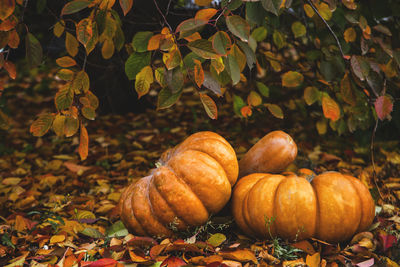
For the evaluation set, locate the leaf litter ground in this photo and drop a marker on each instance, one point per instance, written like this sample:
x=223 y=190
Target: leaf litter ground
x=58 y=211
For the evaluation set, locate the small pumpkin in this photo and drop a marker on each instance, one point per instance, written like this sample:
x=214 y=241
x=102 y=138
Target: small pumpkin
x=271 y=154
x=193 y=180
x=333 y=207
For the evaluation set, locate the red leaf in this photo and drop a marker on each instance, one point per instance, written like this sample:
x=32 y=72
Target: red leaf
x=387 y=241
x=383 y=107
x=173 y=262
x=103 y=262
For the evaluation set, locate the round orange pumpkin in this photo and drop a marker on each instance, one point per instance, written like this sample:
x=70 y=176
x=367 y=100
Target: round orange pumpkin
x=271 y=154
x=333 y=207
x=192 y=181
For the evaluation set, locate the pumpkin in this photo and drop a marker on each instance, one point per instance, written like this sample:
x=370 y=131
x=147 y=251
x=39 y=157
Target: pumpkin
x=333 y=207
x=192 y=181
x=271 y=154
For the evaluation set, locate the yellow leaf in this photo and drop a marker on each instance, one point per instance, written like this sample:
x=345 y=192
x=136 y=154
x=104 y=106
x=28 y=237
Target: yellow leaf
x=20 y=224
x=13 y=39
x=107 y=4
x=143 y=81
x=292 y=79
x=325 y=11
x=108 y=49
x=57 y=239
x=198 y=73
x=254 y=99
x=309 y=10
x=65 y=62
x=206 y=13
x=313 y=260
x=239 y=55
x=350 y=4
x=193 y=37
x=298 y=29
x=350 y=35
x=59 y=28
x=59 y=124
x=71 y=44
x=203 y=2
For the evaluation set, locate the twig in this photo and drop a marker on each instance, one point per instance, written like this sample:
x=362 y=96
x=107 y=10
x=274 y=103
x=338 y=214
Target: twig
x=373 y=157
x=222 y=12
x=162 y=14
x=327 y=25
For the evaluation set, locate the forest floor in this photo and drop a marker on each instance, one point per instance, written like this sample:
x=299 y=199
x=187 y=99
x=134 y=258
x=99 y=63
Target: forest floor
x=58 y=210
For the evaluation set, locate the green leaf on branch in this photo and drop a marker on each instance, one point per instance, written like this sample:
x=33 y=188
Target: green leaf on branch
x=141 y=40
x=292 y=79
x=279 y=39
x=211 y=84
x=232 y=67
x=238 y=104
x=203 y=48
x=275 y=110
x=263 y=89
x=74 y=6
x=126 y=5
x=221 y=42
x=135 y=63
x=190 y=26
x=34 y=52
x=298 y=29
x=175 y=79
x=250 y=55
x=64 y=98
x=259 y=34
x=71 y=126
x=88 y=113
x=239 y=27
x=311 y=95
x=166 y=98
x=272 y=6
x=209 y=106
x=42 y=124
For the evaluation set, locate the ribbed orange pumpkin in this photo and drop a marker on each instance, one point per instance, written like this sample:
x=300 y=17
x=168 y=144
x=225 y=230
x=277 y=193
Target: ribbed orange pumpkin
x=194 y=180
x=271 y=154
x=333 y=207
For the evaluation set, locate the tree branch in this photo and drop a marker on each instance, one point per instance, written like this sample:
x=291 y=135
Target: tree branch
x=327 y=25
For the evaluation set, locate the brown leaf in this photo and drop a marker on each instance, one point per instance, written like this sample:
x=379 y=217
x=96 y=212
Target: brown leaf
x=242 y=255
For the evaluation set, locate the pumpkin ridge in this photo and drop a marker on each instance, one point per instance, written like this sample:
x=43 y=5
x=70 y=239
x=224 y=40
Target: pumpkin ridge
x=232 y=177
x=129 y=214
x=189 y=188
x=359 y=199
x=317 y=219
x=175 y=214
x=274 y=210
x=149 y=225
